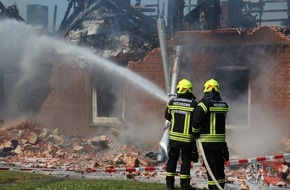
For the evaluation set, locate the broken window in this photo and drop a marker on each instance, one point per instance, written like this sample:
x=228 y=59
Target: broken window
x=234 y=83
x=106 y=96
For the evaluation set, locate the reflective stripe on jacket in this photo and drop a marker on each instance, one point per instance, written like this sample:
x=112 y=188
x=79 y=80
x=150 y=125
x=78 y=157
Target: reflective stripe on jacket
x=179 y=112
x=209 y=120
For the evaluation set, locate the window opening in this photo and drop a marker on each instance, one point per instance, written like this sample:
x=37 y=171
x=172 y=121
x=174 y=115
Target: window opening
x=234 y=82
x=106 y=97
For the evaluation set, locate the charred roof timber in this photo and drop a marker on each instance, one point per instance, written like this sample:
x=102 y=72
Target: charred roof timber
x=108 y=9
x=192 y=15
x=10 y=12
x=122 y=29
x=112 y=25
x=215 y=14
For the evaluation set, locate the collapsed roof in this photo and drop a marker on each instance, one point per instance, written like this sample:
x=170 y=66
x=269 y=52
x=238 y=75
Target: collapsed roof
x=110 y=28
x=10 y=12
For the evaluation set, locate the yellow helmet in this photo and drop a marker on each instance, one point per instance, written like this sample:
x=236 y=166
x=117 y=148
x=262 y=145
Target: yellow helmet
x=183 y=87
x=211 y=85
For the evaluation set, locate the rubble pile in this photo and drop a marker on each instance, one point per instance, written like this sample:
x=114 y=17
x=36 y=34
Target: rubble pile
x=249 y=175
x=24 y=141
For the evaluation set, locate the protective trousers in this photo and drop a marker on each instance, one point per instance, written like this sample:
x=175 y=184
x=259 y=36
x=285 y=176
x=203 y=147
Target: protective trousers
x=173 y=156
x=216 y=162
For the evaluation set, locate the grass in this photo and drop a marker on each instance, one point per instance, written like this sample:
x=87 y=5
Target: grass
x=14 y=180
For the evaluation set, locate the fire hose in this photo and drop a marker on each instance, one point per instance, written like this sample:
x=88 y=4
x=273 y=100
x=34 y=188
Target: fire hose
x=206 y=164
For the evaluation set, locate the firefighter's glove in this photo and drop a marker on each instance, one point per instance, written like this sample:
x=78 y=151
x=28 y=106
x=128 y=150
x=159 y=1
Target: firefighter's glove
x=226 y=153
x=194 y=155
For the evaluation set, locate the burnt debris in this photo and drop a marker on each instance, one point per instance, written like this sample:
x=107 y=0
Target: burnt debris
x=10 y=12
x=109 y=27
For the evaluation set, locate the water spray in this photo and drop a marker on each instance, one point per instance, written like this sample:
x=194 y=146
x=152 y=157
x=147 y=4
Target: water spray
x=133 y=78
x=20 y=46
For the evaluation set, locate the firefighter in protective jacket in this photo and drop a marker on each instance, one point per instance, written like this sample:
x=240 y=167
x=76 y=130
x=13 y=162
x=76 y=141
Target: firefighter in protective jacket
x=181 y=140
x=208 y=123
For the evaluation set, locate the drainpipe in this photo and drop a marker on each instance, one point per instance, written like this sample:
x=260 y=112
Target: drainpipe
x=54 y=19
x=288 y=13
x=164 y=52
x=163 y=144
x=175 y=70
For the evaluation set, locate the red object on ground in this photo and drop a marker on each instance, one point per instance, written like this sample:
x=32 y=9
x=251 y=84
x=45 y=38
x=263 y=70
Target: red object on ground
x=272 y=171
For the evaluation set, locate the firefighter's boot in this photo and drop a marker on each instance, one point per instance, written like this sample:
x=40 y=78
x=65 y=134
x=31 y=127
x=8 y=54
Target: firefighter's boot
x=170 y=182
x=185 y=184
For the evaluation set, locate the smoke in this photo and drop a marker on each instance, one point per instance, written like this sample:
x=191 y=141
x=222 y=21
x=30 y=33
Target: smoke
x=261 y=138
x=32 y=51
x=262 y=131
x=21 y=53
x=253 y=129
x=30 y=54
x=144 y=133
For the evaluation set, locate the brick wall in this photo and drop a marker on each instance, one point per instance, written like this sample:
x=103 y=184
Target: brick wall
x=264 y=52
x=144 y=110
x=268 y=66
x=68 y=106
x=271 y=89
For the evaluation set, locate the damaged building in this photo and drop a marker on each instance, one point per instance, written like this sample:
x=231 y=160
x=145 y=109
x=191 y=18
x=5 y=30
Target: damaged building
x=117 y=85
x=113 y=29
x=235 y=49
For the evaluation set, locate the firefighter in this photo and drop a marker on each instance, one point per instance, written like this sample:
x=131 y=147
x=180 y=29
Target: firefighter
x=208 y=124
x=181 y=140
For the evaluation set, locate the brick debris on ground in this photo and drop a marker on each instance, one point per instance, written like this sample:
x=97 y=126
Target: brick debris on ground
x=25 y=145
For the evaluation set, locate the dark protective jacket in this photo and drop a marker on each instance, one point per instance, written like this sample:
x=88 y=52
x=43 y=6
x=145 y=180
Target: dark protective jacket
x=209 y=117
x=179 y=112
x=208 y=122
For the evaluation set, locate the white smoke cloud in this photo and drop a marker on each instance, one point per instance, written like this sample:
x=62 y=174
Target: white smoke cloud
x=27 y=47
x=32 y=52
x=259 y=132
x=263 y=136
